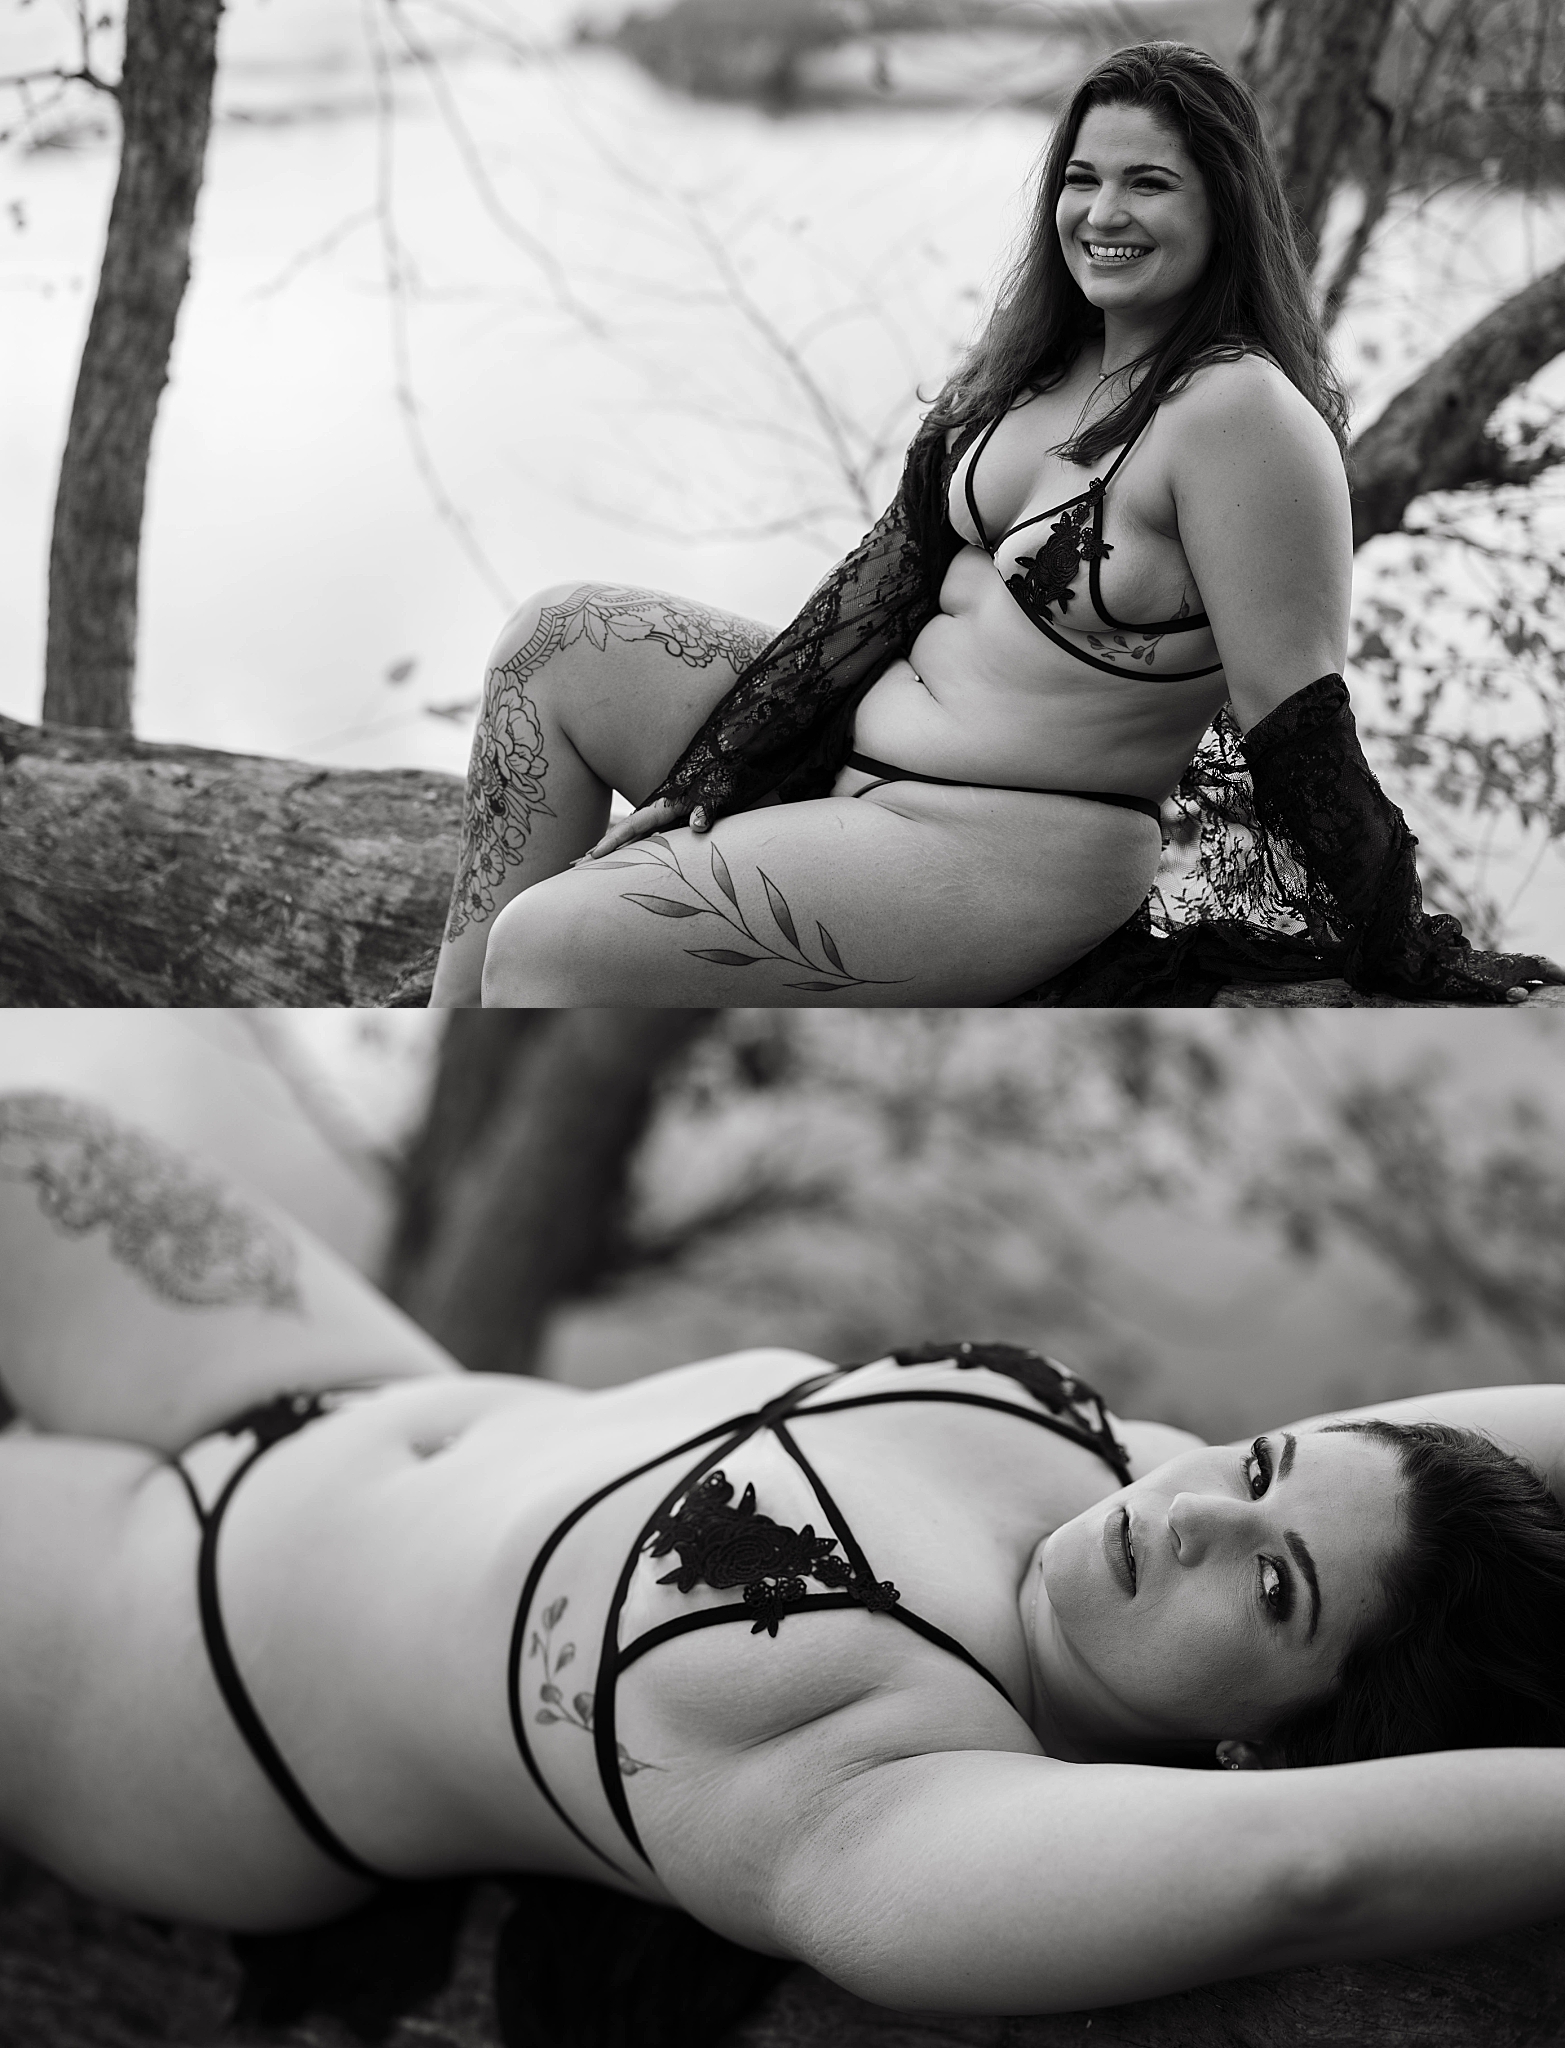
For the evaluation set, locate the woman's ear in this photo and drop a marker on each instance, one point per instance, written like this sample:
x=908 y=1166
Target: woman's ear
x=1240 y=1756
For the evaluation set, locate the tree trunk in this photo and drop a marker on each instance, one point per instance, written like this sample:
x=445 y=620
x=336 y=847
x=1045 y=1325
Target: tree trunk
x=1431 y=437
x=165 y=97
x=170 y=876
x=1311 y=64
x=516 y=1186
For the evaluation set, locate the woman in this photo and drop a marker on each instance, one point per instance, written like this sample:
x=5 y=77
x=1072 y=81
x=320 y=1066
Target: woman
x=970 y=741
x=883 y=1669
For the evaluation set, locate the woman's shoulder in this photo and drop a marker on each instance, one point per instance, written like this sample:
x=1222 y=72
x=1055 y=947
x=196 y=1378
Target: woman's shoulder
x=1249 y=394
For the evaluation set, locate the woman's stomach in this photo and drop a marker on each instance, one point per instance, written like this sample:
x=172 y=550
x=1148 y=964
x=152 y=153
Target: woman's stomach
x=983 y=696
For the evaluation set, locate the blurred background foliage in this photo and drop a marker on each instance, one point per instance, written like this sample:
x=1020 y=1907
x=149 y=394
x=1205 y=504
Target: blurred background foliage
x=1226 y=1218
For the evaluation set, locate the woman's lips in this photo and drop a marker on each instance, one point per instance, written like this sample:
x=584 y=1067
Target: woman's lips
x=1116 y=1550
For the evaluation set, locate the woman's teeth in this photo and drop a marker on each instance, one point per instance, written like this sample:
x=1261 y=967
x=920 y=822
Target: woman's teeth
x=1113 y=252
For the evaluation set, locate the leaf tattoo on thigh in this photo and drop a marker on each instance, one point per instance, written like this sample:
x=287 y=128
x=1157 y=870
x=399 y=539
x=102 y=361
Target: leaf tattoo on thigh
x=185 y=1237
x=831 y=971
x=508 y=769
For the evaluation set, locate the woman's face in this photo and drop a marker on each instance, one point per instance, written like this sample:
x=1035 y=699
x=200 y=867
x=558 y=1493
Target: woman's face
x=1215 y=1596
x=1133 y=217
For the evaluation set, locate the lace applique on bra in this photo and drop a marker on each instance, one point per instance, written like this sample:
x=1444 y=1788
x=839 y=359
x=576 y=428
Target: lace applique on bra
x=721 y=1545
x=1048 y=578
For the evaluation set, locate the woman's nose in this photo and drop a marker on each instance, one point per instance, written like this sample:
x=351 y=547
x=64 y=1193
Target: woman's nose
x=1107 y=208
x=1199 y=1521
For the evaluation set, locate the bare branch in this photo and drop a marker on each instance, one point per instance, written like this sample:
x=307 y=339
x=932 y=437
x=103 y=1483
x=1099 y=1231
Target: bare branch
x=394 y=267
x=483 y=185
x=815 y=395
x=1433 y=436
x=20 y=80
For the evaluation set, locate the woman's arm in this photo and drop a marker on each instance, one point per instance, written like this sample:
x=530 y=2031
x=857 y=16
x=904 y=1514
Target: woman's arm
x=1266 y=526
x=1527 y=1420
x=985 y=1882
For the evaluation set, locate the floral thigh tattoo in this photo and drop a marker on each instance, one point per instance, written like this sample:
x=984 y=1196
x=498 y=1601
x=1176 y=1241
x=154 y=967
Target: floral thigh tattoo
x=187 y=1238
x=508 y=771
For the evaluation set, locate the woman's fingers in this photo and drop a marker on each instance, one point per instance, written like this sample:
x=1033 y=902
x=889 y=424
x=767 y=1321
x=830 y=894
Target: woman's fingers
x=650 y=818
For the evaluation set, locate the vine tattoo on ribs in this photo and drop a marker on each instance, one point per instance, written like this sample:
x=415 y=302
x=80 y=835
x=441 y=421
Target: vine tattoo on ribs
x=184 y=1236
x=579 y=1714
x=508 y=769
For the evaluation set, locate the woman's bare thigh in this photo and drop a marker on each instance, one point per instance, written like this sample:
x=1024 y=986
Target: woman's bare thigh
x=144 y=1298
x=908 y=895
x=120 y=1768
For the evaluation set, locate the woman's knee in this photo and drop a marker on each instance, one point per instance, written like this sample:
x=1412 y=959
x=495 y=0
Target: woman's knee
x=534 y=616
x=540 y=952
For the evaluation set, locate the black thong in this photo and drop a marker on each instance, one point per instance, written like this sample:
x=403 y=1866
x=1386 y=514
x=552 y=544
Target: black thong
x=886 y=771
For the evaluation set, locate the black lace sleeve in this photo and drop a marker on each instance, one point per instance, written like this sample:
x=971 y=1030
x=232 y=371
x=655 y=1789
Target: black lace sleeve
x=785 y=727
x=1361 y=897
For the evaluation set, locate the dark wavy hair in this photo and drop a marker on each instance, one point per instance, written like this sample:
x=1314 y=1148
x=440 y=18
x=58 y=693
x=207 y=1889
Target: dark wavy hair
x=1466 y=1654
x=1254 y=294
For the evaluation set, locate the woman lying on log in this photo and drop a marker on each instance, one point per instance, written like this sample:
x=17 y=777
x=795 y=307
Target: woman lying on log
x=942 y=782
x=907 y=1670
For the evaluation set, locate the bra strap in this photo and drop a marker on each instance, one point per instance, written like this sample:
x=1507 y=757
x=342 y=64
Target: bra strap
x=972 y=503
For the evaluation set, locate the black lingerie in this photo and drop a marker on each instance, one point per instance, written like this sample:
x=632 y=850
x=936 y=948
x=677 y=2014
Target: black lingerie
x=717 y=1541
x=269 y=1423
x=710 y=1538
x=1044 y=582
x=887 y=771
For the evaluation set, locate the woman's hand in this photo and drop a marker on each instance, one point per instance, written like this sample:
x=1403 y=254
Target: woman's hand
x=650 y=818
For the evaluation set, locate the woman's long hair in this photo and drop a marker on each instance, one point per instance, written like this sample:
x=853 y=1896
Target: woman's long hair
x=1253 y=295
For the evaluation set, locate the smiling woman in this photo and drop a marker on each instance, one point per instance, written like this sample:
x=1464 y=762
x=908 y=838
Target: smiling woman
x=941 y=783
x=882 y=1667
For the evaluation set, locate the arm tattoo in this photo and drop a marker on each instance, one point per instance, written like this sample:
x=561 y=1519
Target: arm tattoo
x=508 y=770
x=580 y=1710
x=184 y=1236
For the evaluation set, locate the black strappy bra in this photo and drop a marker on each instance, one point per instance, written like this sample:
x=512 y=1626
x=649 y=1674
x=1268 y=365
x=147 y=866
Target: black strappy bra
x=720 y=1544
x=726 y=1545
x=1048 y=577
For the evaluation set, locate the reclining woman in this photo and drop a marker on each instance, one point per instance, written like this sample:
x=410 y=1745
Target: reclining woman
x=889 y=1668
x=970 y=742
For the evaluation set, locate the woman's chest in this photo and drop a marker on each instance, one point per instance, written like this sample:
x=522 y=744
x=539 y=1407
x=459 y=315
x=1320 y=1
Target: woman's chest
x=1095 y=555
x=792 y=1570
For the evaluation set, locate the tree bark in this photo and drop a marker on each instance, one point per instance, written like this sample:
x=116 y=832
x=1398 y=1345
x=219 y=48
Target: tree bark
x=169 y=876
x=78 y=1975
x=1311 y=64
x=165 y=98
x=1432 y=436
x=517 y=1185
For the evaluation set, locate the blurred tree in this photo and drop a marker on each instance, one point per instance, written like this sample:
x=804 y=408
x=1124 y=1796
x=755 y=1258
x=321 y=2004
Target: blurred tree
x=514 y=1190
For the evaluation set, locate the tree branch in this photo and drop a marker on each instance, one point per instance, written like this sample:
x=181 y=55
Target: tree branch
x=1434 y=436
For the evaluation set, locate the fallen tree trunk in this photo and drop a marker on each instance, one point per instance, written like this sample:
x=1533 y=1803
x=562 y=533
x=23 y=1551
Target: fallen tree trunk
x=174 y=876
x=78 y=1975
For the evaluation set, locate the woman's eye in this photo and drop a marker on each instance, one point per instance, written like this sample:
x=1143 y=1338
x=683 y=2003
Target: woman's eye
x=1276 y=1592
x=1258 y=1468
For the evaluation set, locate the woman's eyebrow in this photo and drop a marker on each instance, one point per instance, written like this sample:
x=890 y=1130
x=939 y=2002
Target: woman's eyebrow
x=1306 y=1564
x=1290 y=1444
x=1082 y=163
